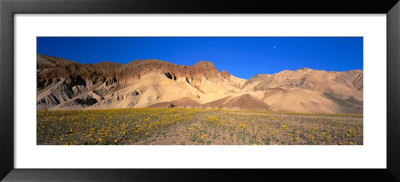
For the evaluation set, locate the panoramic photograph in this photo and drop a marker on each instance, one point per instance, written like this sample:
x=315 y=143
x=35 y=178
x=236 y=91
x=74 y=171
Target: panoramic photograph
x=199 y=91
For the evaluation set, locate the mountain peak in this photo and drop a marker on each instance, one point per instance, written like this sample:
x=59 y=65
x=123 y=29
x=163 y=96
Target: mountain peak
x=304 y=68
x=205 y=65
x=51 y=60
x=138 y=61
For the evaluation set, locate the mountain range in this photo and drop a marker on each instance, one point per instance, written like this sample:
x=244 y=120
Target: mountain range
x=67 y=85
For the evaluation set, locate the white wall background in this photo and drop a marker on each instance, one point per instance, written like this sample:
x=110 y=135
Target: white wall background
x=371 y=155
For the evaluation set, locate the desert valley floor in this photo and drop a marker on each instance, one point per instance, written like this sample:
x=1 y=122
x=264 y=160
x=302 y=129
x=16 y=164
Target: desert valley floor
x=182 y=126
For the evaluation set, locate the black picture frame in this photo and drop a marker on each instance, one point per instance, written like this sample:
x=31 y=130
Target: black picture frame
x=9 y=8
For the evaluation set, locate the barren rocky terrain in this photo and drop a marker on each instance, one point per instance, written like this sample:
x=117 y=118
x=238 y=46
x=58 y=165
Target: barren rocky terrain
x=68 y=85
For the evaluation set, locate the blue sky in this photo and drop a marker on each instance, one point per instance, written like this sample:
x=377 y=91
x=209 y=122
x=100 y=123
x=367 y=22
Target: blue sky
x=241 y=56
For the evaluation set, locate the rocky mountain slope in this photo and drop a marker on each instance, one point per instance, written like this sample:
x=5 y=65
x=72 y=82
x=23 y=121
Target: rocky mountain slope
x=64 y=84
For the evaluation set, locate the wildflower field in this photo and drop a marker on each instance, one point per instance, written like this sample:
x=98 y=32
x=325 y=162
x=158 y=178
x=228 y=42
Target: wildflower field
x=180 y=126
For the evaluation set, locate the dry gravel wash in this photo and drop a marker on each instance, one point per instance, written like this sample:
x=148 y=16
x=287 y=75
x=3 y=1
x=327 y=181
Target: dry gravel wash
x=179 y=126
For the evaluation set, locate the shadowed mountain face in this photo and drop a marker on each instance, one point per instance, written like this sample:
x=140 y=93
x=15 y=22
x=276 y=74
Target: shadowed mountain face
x=64 y=84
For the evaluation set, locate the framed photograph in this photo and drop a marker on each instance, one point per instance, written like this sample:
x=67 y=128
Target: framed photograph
x=131 y=90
